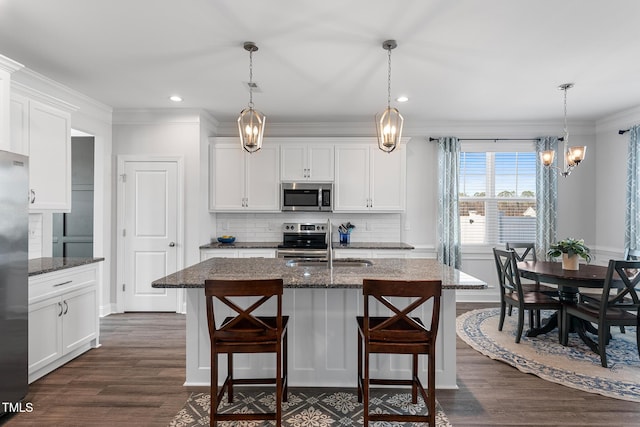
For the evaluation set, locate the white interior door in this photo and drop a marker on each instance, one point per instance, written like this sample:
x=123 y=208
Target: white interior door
x=150 y=233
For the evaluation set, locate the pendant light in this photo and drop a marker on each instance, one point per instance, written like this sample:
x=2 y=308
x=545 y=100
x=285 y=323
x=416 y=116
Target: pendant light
x=572 y=155
x=389 y=122
x=251 y=122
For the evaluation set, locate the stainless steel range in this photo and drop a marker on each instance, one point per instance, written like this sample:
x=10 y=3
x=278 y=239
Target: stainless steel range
x=304 y=240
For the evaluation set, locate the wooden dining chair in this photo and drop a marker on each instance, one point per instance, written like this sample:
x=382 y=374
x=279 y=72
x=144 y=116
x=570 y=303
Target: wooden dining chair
x=526 y=251
x=246 y=332
x=399 y=333
x=629 y=255
x=512 y=293
x=621 y=308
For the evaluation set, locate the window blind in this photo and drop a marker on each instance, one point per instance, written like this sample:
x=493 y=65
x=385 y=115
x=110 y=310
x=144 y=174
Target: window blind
x=497 y=197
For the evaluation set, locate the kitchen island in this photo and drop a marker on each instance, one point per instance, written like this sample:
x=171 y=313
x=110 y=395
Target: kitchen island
x=322 y=304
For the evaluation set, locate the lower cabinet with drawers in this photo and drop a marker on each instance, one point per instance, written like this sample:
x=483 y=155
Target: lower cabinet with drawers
x=63 y=317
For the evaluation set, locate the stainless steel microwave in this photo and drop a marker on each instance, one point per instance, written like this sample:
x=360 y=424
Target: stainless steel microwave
x=306 y=196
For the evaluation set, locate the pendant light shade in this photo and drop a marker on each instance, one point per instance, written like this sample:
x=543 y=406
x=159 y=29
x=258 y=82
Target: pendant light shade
x=251 y=122
x=389 y=122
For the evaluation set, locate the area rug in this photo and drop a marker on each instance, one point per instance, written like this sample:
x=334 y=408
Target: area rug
x=574 y=366
x=306 y=407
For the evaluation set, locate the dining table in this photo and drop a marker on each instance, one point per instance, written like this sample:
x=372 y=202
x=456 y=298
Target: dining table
x=569 y=283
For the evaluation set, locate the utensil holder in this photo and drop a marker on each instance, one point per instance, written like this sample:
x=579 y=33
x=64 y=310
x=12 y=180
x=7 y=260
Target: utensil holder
x=344 y=238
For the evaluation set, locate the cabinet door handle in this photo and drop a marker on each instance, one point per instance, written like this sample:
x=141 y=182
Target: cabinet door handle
x=172 y=244
x=60 y=305
x=32 y=199
x=63 y=283
x=66 y=307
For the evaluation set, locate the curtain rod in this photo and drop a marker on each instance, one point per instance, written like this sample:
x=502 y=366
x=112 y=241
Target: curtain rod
x=496 y=139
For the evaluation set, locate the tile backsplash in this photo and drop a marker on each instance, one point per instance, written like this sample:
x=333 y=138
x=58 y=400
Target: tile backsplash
x=267 y=227
x=35 y=235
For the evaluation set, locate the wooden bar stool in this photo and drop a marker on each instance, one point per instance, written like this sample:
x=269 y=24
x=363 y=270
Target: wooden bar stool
x=245 y=332
x=399 y=333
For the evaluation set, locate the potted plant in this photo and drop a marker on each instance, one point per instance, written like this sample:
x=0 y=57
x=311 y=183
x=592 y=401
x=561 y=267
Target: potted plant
x=570 y=249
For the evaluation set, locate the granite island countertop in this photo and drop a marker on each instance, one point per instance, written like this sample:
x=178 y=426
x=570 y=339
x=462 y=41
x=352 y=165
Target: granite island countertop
x=51 y=264
x=318 y=277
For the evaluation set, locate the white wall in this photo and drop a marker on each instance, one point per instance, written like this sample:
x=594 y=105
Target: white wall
x=166 y=133
x=610 y=185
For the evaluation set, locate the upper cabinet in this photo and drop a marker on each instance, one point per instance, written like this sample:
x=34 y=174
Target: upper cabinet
x=306 y=161
x=243 y=182
x=368 y=179
x=41 y=129
x=7 y=67
x=365 y=178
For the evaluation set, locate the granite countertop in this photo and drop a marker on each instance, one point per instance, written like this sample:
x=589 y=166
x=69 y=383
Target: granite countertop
x=51 y=264
x=334 y=245
x=318 y=277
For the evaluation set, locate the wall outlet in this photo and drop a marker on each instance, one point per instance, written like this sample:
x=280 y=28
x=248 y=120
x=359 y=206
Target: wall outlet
x=368 y=226
x=407 y=226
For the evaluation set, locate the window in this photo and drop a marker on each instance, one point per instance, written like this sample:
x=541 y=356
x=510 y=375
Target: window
x=497 y=193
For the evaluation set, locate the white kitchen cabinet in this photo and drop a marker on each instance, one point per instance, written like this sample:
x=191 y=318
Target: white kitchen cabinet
x=42 y=131
x=368 y=179
x=306 y=162
x=237 y=253
x=63 y=317
x=241 y=181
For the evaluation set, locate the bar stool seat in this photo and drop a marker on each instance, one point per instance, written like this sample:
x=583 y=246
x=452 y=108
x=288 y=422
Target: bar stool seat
x=399 y=333
x=245 y=332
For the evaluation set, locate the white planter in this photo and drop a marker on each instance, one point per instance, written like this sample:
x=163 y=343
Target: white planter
x=570 y=262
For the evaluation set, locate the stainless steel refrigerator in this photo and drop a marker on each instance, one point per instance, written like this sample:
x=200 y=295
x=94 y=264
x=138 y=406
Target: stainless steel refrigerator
x=14 y=291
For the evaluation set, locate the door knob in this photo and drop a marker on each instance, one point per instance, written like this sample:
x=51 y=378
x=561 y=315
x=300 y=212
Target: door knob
x=172 y=244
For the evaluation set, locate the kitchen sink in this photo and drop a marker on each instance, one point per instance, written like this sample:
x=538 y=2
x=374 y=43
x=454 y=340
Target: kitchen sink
x=323 y=263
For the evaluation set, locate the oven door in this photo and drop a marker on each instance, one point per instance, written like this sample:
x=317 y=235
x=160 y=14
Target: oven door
x=297 y=253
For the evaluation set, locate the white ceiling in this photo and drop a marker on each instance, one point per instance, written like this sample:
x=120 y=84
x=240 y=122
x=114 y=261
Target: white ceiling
x=323 y=60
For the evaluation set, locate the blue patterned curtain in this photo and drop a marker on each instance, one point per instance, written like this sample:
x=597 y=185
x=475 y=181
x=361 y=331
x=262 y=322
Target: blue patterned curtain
x=448 y=215
x=632 y=217
x=546 y=197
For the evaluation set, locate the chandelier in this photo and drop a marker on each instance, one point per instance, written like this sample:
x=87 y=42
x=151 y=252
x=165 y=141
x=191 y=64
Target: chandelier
x=251 y=122
x=572 y=155
x=389 y=122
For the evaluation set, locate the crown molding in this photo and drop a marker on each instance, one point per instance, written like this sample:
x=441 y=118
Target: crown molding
x=37 y=95
x=621 y=119
x=142 y=116
x=9 y=65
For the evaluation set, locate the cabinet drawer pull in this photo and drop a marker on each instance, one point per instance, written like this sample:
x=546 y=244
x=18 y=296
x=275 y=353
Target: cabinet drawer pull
x=66 y=308
x=60 y=305
x=63 y=283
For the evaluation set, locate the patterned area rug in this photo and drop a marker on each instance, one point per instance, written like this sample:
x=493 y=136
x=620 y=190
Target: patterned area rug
x=307 y=407
x=573 y=366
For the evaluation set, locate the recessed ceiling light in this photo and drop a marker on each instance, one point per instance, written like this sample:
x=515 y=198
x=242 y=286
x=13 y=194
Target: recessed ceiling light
x=175 y=98
x=402 y=99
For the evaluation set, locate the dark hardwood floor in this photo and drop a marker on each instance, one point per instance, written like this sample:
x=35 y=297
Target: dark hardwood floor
x=136 y=377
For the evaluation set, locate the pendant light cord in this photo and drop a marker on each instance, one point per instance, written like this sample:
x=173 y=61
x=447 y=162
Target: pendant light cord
x=251 y=79
x=566 y=132
x=389 y=81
